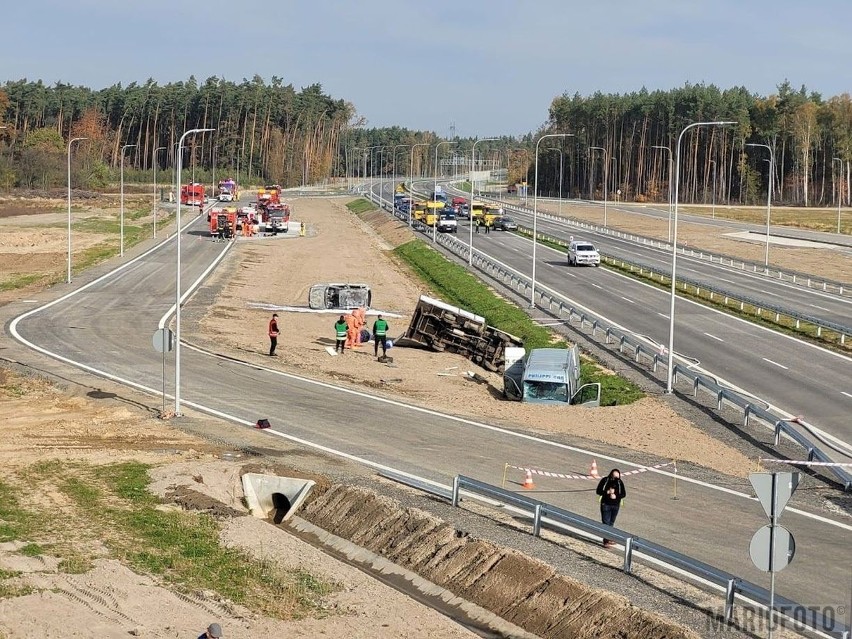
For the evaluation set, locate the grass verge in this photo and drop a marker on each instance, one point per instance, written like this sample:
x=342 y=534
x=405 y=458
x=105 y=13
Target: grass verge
x=181 y=547
x=360 y=206
x=457 y=286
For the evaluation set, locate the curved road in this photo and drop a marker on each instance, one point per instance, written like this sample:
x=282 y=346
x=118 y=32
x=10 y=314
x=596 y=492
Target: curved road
x=107 y=326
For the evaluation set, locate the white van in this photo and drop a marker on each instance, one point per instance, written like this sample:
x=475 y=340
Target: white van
x=582 y=252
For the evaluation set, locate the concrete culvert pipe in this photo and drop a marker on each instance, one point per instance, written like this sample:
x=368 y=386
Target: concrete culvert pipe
x=271 y=494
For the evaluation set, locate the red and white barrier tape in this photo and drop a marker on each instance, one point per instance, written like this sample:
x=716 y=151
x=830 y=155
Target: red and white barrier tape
x=805 y=463
x=547 y=473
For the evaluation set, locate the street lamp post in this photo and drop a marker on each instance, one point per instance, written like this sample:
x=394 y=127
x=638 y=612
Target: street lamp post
x=70 y=142
x=411 y=177
x=535 y=208
x=435 y=189
x=839 y=190
x=156 y=208
x=470 y=204
x=606 y=177
x=121 y=230
x=381 y=174
x=665 y=148
x=768 y=199
x=177 y=272
x=669 y=375
x=369 y=150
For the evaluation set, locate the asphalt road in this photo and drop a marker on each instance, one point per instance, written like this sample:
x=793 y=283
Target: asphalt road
x=108 y=326
x=763 y=290
x=795 y=376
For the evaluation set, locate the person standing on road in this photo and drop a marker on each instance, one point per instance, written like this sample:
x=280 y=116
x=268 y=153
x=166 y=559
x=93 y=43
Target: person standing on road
x=487 y=226
x=476 y=223
x=380 y=336
x=611 y=491
x=340 y=329
x=273 y=334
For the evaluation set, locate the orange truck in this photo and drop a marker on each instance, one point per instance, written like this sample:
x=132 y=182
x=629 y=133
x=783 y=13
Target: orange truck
x=268 y=195
x=192 y=194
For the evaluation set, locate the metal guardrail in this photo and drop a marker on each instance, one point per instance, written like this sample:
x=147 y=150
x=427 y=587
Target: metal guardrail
x=725 y=295
x=638 y=350
x=637 y=548
x=805 y=280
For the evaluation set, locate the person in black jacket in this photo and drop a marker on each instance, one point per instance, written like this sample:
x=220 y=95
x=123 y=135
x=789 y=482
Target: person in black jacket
x=611 y=490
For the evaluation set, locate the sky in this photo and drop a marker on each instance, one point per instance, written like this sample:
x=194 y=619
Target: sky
x=486 y=67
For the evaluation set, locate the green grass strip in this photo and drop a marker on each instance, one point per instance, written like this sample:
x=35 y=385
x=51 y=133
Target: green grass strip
x=360 y=206
x=455 y=285
x=183 y=547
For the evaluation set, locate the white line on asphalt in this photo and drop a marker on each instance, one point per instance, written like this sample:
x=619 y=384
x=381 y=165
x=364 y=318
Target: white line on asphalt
x=820 y=307
x=722 y=279
x=776 y=363
x=627 y=299
x=845 y=393
x=663 y=315
x=596 y=285
x=469 y=422
x=714 y=337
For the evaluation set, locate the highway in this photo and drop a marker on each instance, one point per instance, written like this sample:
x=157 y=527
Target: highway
x=797 y=377
x=108 y=325
x=763 y=290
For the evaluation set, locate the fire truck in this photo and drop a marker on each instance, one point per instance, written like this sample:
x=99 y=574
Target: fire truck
x=192 y=194
x=268 y=195
x=224 y=220
x=277 y=218
x=227 y=190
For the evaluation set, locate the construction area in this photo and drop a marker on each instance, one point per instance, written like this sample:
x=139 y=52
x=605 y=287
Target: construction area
x=66 y=445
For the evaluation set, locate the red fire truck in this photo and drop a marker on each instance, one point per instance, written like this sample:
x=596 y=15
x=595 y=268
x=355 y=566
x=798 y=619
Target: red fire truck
x=192 y=194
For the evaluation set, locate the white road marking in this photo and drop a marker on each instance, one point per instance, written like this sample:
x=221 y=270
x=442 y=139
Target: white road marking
x=523 y=436
x=714 y=337
x=627 y=299
x=820 y=308
x=776 y=363
x=596 y=286
x=845 y=393
x=663 y=315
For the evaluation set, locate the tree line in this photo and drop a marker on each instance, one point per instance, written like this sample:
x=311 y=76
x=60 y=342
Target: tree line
x=270 y=132
x=810 y=139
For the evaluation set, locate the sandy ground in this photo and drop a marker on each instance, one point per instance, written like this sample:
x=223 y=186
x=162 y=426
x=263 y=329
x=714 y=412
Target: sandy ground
x=43 y=425
x=361 y=253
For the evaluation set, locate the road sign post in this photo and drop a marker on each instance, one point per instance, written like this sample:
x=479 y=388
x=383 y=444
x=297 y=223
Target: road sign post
x=164 y=341
x=773 y=547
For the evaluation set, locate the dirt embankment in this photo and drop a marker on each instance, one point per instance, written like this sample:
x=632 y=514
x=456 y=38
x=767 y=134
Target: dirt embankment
x=521 y=590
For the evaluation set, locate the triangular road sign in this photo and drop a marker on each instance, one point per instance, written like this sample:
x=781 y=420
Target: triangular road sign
x=785 y=486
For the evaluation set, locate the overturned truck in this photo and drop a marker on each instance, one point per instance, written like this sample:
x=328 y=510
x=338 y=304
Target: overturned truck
x=442 y=327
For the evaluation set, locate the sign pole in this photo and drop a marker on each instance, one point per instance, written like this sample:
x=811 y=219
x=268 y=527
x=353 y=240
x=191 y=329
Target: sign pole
x=773 y=519
x=164 y=382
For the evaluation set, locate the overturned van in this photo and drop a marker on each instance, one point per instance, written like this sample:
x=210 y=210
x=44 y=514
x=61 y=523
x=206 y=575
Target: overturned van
x=340 y=296
x=548 y=376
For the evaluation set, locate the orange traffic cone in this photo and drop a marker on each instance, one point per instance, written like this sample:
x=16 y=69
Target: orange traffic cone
x=594 y=471
x=528 y=482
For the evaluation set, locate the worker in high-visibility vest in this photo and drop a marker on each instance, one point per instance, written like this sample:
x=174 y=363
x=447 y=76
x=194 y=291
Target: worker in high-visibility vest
x=340 y=330
x=380 y=336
